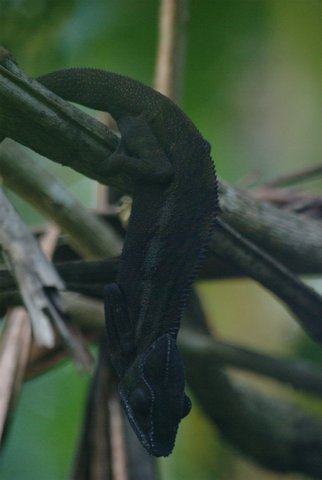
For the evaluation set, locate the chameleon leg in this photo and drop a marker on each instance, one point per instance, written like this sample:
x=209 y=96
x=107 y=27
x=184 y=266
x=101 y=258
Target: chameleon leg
x=139 y=154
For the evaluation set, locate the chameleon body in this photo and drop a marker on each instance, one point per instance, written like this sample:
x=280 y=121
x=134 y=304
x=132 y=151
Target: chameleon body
x=172 y=218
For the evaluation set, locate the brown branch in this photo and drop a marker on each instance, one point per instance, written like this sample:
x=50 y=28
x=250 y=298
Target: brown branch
x=14 y=351
x=302 y=175
x=96 y=452
x=171 y=48
x=292 y=200
x=88 y=234
x=294 y=240
x=61 y=131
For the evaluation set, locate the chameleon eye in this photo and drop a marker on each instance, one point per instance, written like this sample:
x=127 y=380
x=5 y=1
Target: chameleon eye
x=186 y=406
x=139 y=401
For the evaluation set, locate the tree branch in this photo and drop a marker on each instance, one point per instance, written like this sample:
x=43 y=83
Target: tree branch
x=171 y=48
x=293 y=239
x=88 y=234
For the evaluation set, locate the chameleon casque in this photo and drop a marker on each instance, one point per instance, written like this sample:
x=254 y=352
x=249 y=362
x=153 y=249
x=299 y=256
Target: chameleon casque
x=173 y=215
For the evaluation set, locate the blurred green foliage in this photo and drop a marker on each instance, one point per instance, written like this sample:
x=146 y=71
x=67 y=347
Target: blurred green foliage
x=252 y=86
x=45 y=427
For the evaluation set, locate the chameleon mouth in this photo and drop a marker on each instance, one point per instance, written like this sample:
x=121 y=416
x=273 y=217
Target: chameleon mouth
x=143 y=437
x=162 y=448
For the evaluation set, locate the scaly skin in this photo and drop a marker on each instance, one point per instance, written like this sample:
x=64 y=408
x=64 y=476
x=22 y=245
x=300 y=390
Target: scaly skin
x=173 y=213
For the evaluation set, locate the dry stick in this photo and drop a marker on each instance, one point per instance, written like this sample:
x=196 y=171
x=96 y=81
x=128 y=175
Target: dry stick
x=118 y=452
x=101 y=451
x=171 y=48
x=88 y=234
x=14 y=352
x=302 y=175
x=15 y=347
x=285 y=196
x=301 y=203
x=86 y=313
x=93 y=454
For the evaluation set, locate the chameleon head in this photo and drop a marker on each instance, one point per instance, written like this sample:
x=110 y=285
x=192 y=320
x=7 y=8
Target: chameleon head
x=152 y=395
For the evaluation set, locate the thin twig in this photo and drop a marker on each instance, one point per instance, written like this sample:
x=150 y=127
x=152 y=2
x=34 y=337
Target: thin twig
x=295 y=201
x=302 y=175
x=14 y=351
x=101 y=449
x=171 y=48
